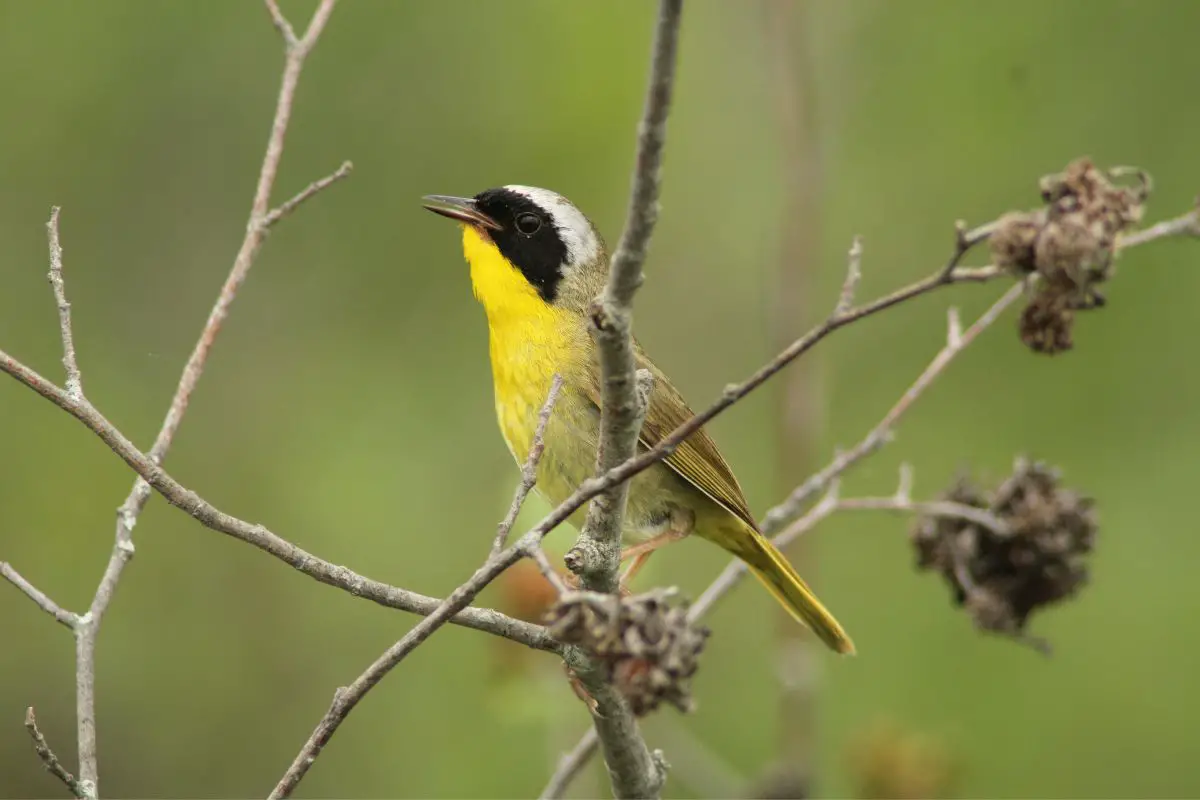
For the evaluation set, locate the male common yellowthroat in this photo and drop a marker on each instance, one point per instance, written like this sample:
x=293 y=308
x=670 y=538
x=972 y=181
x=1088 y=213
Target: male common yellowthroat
x=536 y=264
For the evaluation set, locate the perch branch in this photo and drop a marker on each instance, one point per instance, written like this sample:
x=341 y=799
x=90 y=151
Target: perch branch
x=624 y=392
x=500 y=559
x=50 y=760
x=774 y=520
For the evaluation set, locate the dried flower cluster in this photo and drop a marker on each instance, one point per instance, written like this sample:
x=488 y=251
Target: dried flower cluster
x=1035 y=557
x=1070 y=243
x=647 y=644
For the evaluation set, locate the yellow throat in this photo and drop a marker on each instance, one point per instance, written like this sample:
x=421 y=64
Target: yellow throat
x=529 y=340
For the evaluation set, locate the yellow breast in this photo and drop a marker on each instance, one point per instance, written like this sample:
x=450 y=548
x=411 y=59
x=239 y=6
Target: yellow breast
x=529 y=340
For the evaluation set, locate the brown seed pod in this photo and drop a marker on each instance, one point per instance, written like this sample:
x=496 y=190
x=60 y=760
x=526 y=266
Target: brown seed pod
x=1034 y=557
x=647 y=644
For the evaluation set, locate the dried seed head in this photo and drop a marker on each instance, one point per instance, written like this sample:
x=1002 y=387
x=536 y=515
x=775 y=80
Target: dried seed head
x=1046 y=322
x=650 y=649
x=1070 y=244
x=1034 y=557
x=1014 y=239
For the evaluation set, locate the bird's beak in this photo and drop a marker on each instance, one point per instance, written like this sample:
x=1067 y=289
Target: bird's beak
x=462 y=209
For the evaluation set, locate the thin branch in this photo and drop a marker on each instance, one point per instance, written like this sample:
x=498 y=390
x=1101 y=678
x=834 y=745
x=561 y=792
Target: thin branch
x=281 y=24
x=529 y=470
x=305 y=194
x=933 y=508
x=487 y=620
x=346 y=698
x=500 y=559
x=596 y=556
x=39 y=597
x=853 y=276
x=256 y=230
x=1184 y=225
x=624 y=392
x=570 y=765
x=547 y=569
x=50 y=760
x=826 y=479
x=74 y=383
x=956 y=342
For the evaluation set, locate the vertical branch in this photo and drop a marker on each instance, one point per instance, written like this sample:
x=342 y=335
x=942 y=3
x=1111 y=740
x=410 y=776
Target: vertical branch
x=257 y=227
x=624 y=390
x=597 y=553
x=74 y=384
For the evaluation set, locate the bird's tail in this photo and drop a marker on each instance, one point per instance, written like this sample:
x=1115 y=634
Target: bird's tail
x=772 y=568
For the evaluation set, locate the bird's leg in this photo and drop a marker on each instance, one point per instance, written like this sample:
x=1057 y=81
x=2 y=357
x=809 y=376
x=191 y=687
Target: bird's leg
x=679 y=525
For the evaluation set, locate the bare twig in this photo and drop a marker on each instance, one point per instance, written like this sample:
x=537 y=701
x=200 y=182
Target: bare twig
x=345 y=699
x=176 y=494
x=256 y=230
x=50 y=760
x=306 y=193
x=1184 y=225
x=547 y=569
x=74 y=383
x=774 y=520
x=500 y=559
x=853 y=276
x=596 y=555
x=570 y=765
x=632 y=768
x=529 y=470
x=956 y=341
x=37 y=596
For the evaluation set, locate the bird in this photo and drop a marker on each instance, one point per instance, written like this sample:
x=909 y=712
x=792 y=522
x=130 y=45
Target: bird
x=536 y=265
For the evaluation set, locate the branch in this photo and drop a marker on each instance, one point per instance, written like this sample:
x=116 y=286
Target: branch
x=570 y=765
x=37 y=596
x=500 y=559
x=529 y=470
x=956 y=341
x=773 y=521
x=346 y=698
x=633 y=769
x=50 y=760
x=597 y=555
x=256 y=230
x=181 y=497
x=74 y=379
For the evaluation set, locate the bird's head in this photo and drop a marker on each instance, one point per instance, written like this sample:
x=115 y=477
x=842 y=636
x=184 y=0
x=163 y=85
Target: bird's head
x=528 y=249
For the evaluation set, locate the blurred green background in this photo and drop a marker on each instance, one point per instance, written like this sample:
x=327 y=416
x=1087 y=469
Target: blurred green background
x=348 y=403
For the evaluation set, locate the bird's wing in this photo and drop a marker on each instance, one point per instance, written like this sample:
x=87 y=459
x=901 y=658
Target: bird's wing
x=697 y=459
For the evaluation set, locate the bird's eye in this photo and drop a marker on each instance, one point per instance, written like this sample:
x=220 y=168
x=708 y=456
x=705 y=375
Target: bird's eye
x=528 y=224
